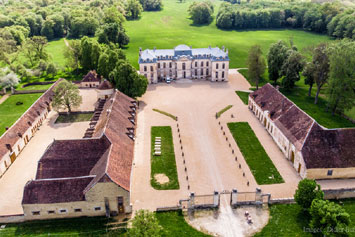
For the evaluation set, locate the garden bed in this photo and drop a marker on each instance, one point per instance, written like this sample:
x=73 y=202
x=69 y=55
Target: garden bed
x=74 y=117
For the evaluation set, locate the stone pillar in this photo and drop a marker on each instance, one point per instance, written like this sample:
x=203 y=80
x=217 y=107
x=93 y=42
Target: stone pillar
x=216 y=199
x=191 y=206
x=258 y=197
x=234 y=195
x=12 y=90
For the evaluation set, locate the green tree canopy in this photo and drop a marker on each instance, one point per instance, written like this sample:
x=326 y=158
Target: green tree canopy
x=145 y=224
x=72 y=53
x=114 y=33
x=291 y=69
x=66 y=96
x=201 y=12
x=256 y=64
x=307 y=191
x=329 y=217
x=133 y=9
x=277 y=55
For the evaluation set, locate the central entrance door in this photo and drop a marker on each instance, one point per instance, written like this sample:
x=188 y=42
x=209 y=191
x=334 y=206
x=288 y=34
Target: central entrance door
x=184 y=74
x=120 y=204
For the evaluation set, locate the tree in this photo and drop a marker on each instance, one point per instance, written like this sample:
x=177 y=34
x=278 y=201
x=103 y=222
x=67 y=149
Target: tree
x=51 y=69
x=201 y=12
x=145 y=224
x=34 y=49
x=329 y=217
x=66 y=96
x=275 y=59
x=291 y=69
x=47 y=29
x=114 y=33
x=127 y=80
x=256 y=64
x=341 y=93
x=309 y=76
x=90 y=53
x=112 y=15
x=10 y=79
x=133 y=9
x=320 y=67
x=72 y=53
x=307 y=191
x=152 y=5
x=58 y=25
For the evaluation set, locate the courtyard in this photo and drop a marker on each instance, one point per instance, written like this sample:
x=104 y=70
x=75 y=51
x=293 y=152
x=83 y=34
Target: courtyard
x=24 y=169
x=210 y=164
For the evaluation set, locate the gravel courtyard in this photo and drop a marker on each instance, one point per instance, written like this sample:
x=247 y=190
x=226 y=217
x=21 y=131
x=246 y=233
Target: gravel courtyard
x=210 y=164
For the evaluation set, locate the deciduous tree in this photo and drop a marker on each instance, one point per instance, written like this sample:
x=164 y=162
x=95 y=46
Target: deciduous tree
x=72 y=53
x=256 y=64
x=133 y=9
x=291 y=69
x=145 y=224
x=201 y=12
x=275 y=59
x=307 y=191
x=66 y=96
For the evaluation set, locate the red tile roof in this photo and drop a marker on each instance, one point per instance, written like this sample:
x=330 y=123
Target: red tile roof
x=320 y=147
x=55 y=191
x=11 y=136
x=105 y=85
x=91 y=77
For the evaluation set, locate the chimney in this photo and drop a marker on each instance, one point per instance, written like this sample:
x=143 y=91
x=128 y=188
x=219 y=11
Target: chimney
x=223 y=48
x=209 y=46
x=140 y=51
x=155 y=48
x=227 y=51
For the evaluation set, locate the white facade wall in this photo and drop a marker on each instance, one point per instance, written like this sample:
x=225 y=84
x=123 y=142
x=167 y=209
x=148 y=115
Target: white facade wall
x=104 y=94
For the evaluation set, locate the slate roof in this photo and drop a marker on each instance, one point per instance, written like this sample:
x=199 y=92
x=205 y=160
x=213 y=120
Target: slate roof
x=55 y=191
x=154 y=55
x=92 y=76
x=11 y=136
x=320 y=147
x=105 y=85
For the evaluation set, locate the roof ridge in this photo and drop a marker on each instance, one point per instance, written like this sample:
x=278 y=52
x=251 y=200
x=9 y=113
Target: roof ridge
x=308 y=132
x=66 y=178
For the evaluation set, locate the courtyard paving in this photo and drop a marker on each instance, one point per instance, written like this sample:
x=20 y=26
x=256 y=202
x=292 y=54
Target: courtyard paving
x=24 y=168
x=210 y=164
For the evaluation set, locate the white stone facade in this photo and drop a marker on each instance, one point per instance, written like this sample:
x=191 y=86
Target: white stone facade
x=183 y=62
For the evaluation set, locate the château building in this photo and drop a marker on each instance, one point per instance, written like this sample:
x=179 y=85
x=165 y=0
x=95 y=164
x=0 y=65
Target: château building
x=184 y=62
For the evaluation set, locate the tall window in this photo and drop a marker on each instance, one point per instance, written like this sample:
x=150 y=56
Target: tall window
x=196 y=64
x=207 y=71
x=216 y=74
x=145 y=68
x=151 y=68
x=216 y=65
x=223 y=65
x=183 y=66
x=170 y=65
x=158 y=65
x=207 y=63
x=202 y=64
x=222 y=74
x=195 y=72
x=164 y=65
x=201 y=72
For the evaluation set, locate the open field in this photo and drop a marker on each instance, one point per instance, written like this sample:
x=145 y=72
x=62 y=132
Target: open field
x=34 y=87
x=74 y=117
x=171 y=27
x=55 y=49
x=254 y=154
x=244 y=96
x=165 y=163
x=10 y=112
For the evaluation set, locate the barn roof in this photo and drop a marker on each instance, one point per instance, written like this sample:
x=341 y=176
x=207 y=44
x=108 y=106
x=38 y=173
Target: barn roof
x=320 y=147
x=92 y=76
x=18 y=129
x=105 y=85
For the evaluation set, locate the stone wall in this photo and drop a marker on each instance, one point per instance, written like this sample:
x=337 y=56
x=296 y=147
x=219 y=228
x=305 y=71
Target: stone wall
x=337 y=173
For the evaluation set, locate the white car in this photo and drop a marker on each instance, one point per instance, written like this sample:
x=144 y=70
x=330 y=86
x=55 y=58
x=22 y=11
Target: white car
x=168 y=80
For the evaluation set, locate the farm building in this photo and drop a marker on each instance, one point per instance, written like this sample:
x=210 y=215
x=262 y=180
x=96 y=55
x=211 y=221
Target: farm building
x=91 y=80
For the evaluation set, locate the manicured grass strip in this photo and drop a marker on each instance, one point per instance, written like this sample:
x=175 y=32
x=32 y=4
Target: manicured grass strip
x=285 y=220
x=174 y=225
x=224 y=110
x=165 y=163
x=10 y=112
x=264 y=78
x=244 y=96
x=258 y=161
x=86 y=226
x=73 y=117
x=166 y=113
x=34 y=87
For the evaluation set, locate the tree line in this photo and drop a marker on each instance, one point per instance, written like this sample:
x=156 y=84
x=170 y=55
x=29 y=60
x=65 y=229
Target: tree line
x=333 y=19
x=330 y=64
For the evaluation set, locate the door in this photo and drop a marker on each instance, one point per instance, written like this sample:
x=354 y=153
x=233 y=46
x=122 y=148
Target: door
x=292 y=157
x=299 y=168
x=184 y=74
x=107 y=207
x=120 y=204
x=13 y=157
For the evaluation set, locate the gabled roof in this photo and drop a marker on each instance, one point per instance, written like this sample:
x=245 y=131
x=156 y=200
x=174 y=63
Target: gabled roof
x=91 y=77
x=105 y=85
x=12 y=135
x=46 y=191
x=320 y=147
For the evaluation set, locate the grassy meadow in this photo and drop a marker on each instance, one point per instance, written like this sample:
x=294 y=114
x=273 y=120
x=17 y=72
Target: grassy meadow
x=170 y=27
x=55 y=49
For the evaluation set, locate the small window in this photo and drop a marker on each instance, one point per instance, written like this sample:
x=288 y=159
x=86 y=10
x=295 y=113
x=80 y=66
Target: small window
x=97 y=208
x=330 y=172
x=51 y=212
x=35 y=213
x=77 y=210
x=62 y=211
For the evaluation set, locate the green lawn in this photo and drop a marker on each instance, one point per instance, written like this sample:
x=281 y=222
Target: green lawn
x=34 y=87
x=55 y=49
x=86 y=226
x=244 y=96
x=263 y=81
x=175 y=225
x=74 y=117
x=170 y=27
x=166 y=113
x=223 y=110
x=10 y=112
x=257 y=159
x=289 y=220
x=165 y=163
